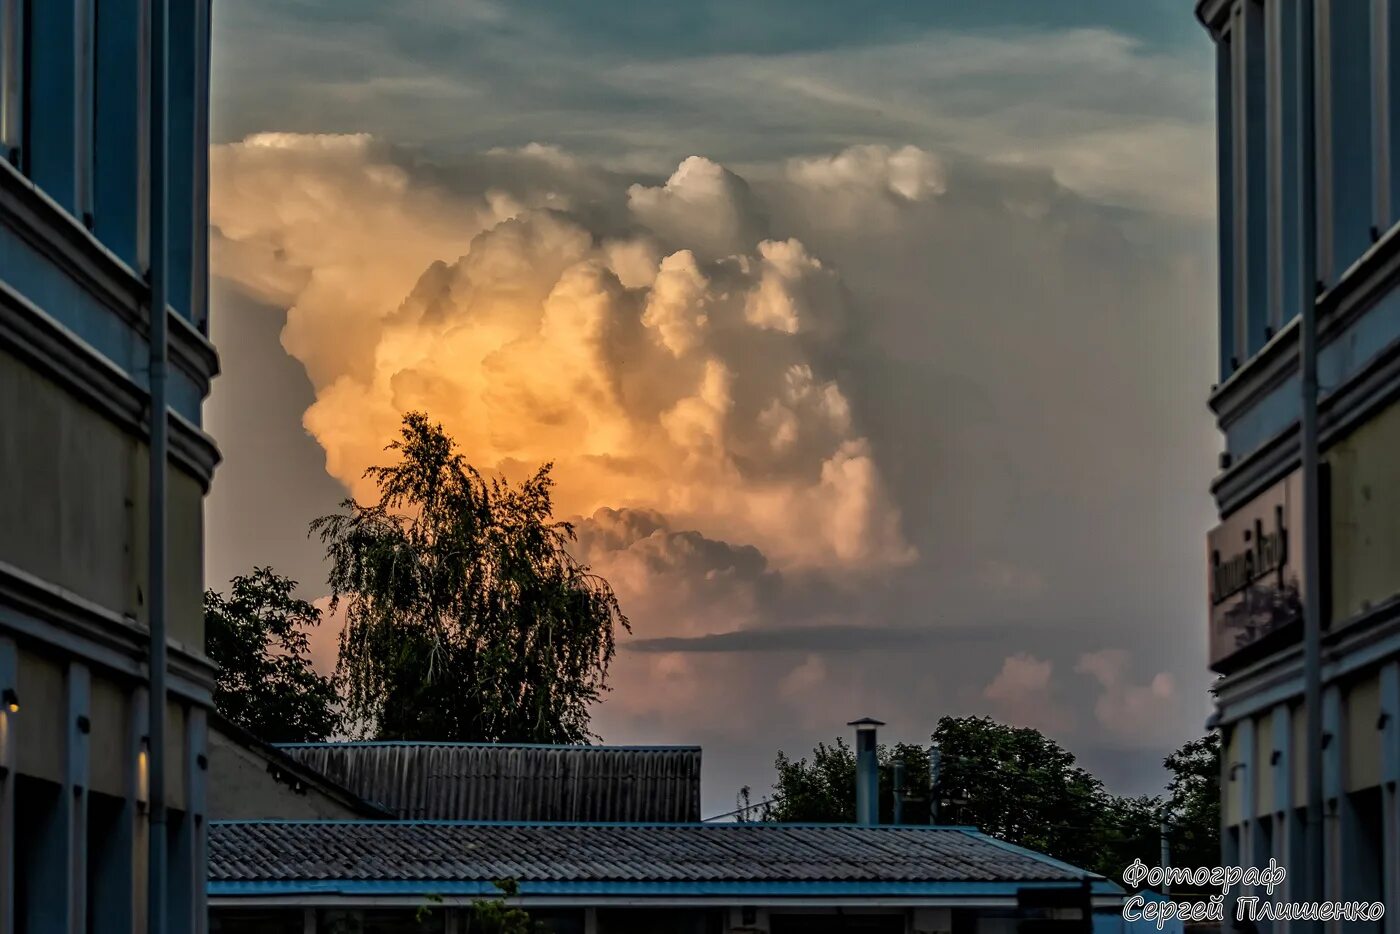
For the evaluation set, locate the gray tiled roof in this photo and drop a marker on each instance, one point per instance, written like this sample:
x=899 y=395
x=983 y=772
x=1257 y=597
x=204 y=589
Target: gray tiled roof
x=399 y=851
x=478 y=781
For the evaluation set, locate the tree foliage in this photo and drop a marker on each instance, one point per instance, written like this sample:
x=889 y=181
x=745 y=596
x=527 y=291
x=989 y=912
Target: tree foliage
x=258 y=637
x=466 y=617
x=1021 y=786
x=1013 y=783
x=823 y=790
x=1193 y=802
x=497 y=915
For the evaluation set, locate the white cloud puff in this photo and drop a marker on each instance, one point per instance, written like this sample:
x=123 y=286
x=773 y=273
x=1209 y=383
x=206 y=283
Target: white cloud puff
x=1145 y=713
x=1022 y=693
x=703 y=206
x=908 y=173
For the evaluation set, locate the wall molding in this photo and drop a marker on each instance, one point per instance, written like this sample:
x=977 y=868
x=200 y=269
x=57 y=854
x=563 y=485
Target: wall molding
x=36 y=610
x=1365 y=394
x=1367 y=640
x=57 y=352
x=40 y=222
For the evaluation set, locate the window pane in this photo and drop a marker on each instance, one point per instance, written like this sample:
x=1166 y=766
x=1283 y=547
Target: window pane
x=1349 y=71
x=1225 y=163
x=51 y=144
x=1392 y=44
x=119 y=129
x=1285 y=191
x=1253 y=101
x=11 y=75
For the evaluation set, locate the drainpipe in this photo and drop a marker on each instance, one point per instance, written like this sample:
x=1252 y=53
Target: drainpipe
x=156 y=870
x=867 y=772
x=1308 y=432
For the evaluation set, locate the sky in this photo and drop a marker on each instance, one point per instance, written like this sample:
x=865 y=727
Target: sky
x=870 y=343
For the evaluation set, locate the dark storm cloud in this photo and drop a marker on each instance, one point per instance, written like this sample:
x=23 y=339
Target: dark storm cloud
x=807 y=639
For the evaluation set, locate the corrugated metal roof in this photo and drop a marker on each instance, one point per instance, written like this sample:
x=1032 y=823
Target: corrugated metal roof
x=246 y=856
x=476 y=781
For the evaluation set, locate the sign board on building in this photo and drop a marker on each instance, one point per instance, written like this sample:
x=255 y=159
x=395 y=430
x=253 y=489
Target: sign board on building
x=1254 y=568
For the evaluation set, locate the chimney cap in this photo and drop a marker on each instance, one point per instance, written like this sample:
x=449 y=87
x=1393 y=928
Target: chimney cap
x=866 y=723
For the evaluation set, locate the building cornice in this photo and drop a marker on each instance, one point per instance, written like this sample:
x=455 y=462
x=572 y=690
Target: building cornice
x=53 y=349
x=75 y=251
x=1360 y=643
x=45 y=613
x=1342 y=407
x=1212 y=14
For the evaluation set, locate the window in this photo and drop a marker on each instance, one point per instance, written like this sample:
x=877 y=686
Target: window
x=1246 y=173
x=1386 y=50
x=57 y=146
x=179 y=894
x=180 y=161
x=11 y=78
x=41 y=840
x=1250 y=187
x=1225 y=174
x=1281 y=28
x=1363 y=863
x=1345 y=200
x=110 y=879
x=120 y=130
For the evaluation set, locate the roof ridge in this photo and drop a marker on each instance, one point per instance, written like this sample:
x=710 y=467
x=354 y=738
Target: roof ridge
x=458 y=822
x=582 y=747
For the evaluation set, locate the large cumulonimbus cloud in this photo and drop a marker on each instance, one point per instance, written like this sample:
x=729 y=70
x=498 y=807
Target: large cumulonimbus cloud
x=871 y=431
x=682 y=363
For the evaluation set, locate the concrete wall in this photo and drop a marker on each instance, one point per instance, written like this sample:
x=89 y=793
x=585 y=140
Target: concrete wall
x=74 y=513
x=1365 y=516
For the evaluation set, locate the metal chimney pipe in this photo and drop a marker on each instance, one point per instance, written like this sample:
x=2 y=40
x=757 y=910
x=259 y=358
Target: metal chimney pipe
x=867 y=772
x=897 y=787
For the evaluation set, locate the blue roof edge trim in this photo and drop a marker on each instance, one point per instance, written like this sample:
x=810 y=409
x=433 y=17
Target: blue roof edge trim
x=369 y=822
x=774 y=889
x=601 y=747
x=1047 y=860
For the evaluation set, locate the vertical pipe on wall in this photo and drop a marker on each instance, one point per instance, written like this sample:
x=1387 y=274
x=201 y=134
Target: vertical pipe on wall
x=1311 y=531
x=156 y=868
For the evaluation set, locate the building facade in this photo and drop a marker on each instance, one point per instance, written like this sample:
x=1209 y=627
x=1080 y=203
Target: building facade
x=1345 y=258
x=76 y=267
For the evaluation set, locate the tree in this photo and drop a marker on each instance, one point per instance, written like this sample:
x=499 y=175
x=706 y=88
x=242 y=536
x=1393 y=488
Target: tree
x=1012 y=783
x=259 y=639
x=1019 y=785
x=466 y=617
x=824 y=789
x=1129 y=829
x=1193 y=802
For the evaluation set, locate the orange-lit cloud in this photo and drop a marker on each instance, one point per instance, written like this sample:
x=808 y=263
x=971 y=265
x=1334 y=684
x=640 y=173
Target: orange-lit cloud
x=679 y=367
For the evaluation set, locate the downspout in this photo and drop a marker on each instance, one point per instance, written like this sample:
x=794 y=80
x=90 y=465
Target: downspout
x=159 y=443
x=1308 y=432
